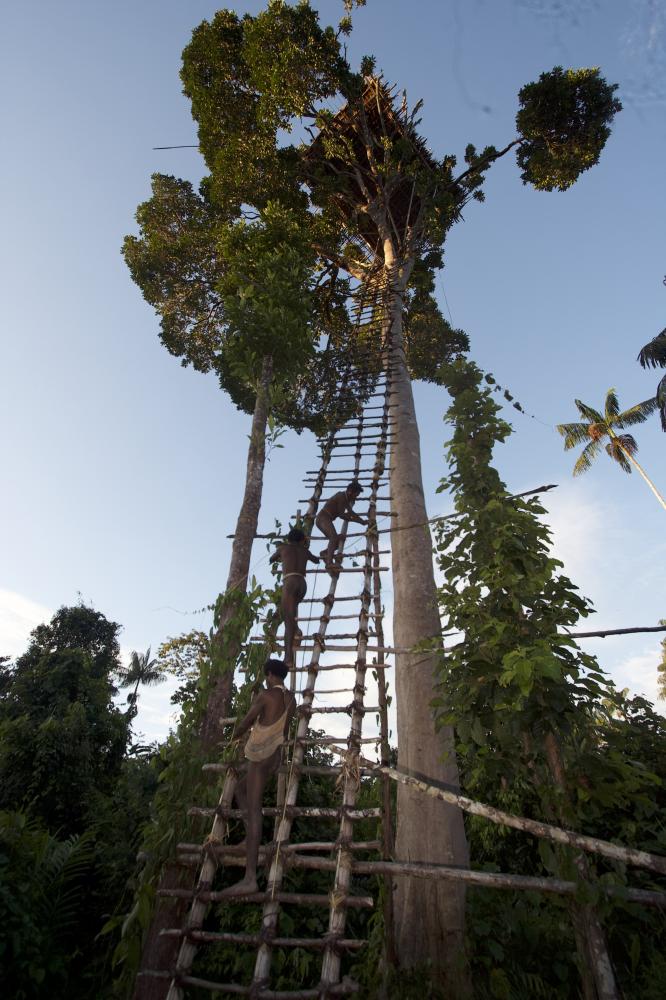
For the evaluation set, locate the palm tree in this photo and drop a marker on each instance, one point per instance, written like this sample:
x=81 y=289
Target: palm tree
x=597 y=426
x=653 y=355
x=141 y=670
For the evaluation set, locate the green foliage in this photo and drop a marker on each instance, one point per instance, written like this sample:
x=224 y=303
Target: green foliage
x=67 y=763
x=179 y=761
x=653 y=355
x=513 y=673
x=42 y=882
x=564 y=122
x=429 y=340
x=516 y=684
x=249 y=77
x=62 y=740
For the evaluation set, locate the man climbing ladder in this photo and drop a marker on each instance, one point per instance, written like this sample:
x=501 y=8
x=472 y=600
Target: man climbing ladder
x=270 y=715
x=294 y=555
x=339 y=505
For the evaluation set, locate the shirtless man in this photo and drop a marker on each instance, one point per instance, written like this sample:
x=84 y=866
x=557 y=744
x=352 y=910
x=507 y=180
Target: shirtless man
x=340 y=505
x=270 y=715
x=294 y=554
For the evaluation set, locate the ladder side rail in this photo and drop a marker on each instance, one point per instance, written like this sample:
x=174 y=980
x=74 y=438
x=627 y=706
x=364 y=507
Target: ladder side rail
x=330 y=973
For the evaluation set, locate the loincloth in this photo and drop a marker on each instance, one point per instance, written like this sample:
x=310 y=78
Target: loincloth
x=265 y=740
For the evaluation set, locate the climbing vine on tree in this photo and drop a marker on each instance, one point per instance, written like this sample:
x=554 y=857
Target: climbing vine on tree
x=515 y=685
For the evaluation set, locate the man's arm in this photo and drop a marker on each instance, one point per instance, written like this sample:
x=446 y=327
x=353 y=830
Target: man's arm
x=277 y=555
x=349 y=514
x=255 y=709
x=312 y=558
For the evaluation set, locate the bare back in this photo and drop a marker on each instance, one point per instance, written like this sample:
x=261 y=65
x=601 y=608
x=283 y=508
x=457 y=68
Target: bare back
x=275 y=702
x=337 y=505
x=294 y=557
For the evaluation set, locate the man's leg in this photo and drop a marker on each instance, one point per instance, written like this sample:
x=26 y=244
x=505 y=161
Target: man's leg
x=327 y=528
x=289 y=610
x=293 y=592
x=258 y=774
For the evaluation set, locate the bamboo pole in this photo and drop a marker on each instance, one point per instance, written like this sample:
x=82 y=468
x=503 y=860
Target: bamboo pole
x=616 y=852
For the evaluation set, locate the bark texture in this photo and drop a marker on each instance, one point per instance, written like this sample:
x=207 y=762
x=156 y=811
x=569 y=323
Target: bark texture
x=160 y=953
x=429 y=918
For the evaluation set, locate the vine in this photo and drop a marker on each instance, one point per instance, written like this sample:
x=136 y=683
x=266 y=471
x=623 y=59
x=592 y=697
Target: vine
x=539 y=726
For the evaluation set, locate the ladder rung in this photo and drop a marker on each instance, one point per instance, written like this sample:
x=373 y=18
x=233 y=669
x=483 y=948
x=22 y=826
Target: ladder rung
x=316 y=812
x=339 y=989
x=297 y=898
x=317 y=771
x=369 y=499
x=313 y=845
x=334 y=618
x=349 y=569
x=335 y=709
x=314 y=944
x=315 y=472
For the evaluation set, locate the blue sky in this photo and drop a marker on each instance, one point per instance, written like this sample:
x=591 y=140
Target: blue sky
x=123 y=471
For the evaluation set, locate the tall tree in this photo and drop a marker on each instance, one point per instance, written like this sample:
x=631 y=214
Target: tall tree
x=381 y=205
x=596 y=426
x=141 y=670
x=236 y=290
x=62 y=740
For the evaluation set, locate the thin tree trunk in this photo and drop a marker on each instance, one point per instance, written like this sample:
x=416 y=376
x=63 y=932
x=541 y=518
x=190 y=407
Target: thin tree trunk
x=159 y=952
x=596 y=970
x=429 y=918
x=645 y=476
x=241 y=552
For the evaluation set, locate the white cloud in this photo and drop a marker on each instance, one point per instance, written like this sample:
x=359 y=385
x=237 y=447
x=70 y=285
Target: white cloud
x=19 y=615
x=639 y=674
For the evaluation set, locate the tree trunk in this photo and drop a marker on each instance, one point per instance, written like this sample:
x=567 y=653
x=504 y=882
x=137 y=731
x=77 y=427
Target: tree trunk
x=596 y=969
x=160 y=953
x=241 y=552
x=641 y=471
x=429 y=918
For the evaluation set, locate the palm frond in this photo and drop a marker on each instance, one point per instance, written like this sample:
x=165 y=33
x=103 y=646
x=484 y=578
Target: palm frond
x=588 y=412
x=615 y=452
x=637 y=414
x=611 y=406
x=586 y=457
x=573 y=434
x=661 y=402
x=628 y=443
x=653 y=355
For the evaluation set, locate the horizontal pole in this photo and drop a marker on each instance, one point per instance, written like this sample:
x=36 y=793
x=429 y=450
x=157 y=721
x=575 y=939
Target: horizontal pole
x=616 y=631
x=626 y=855
x=315 y=845
x=492 y=880
x=312 y=812
x=312 y=944
x=295 y=898
x=305 y=770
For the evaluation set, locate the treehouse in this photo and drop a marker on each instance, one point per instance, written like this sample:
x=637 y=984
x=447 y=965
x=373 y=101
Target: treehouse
x=368 y=158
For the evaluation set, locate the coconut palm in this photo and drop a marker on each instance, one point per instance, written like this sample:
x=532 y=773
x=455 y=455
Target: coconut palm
x=620 y=447
x=653 y=355
x=141 y=670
